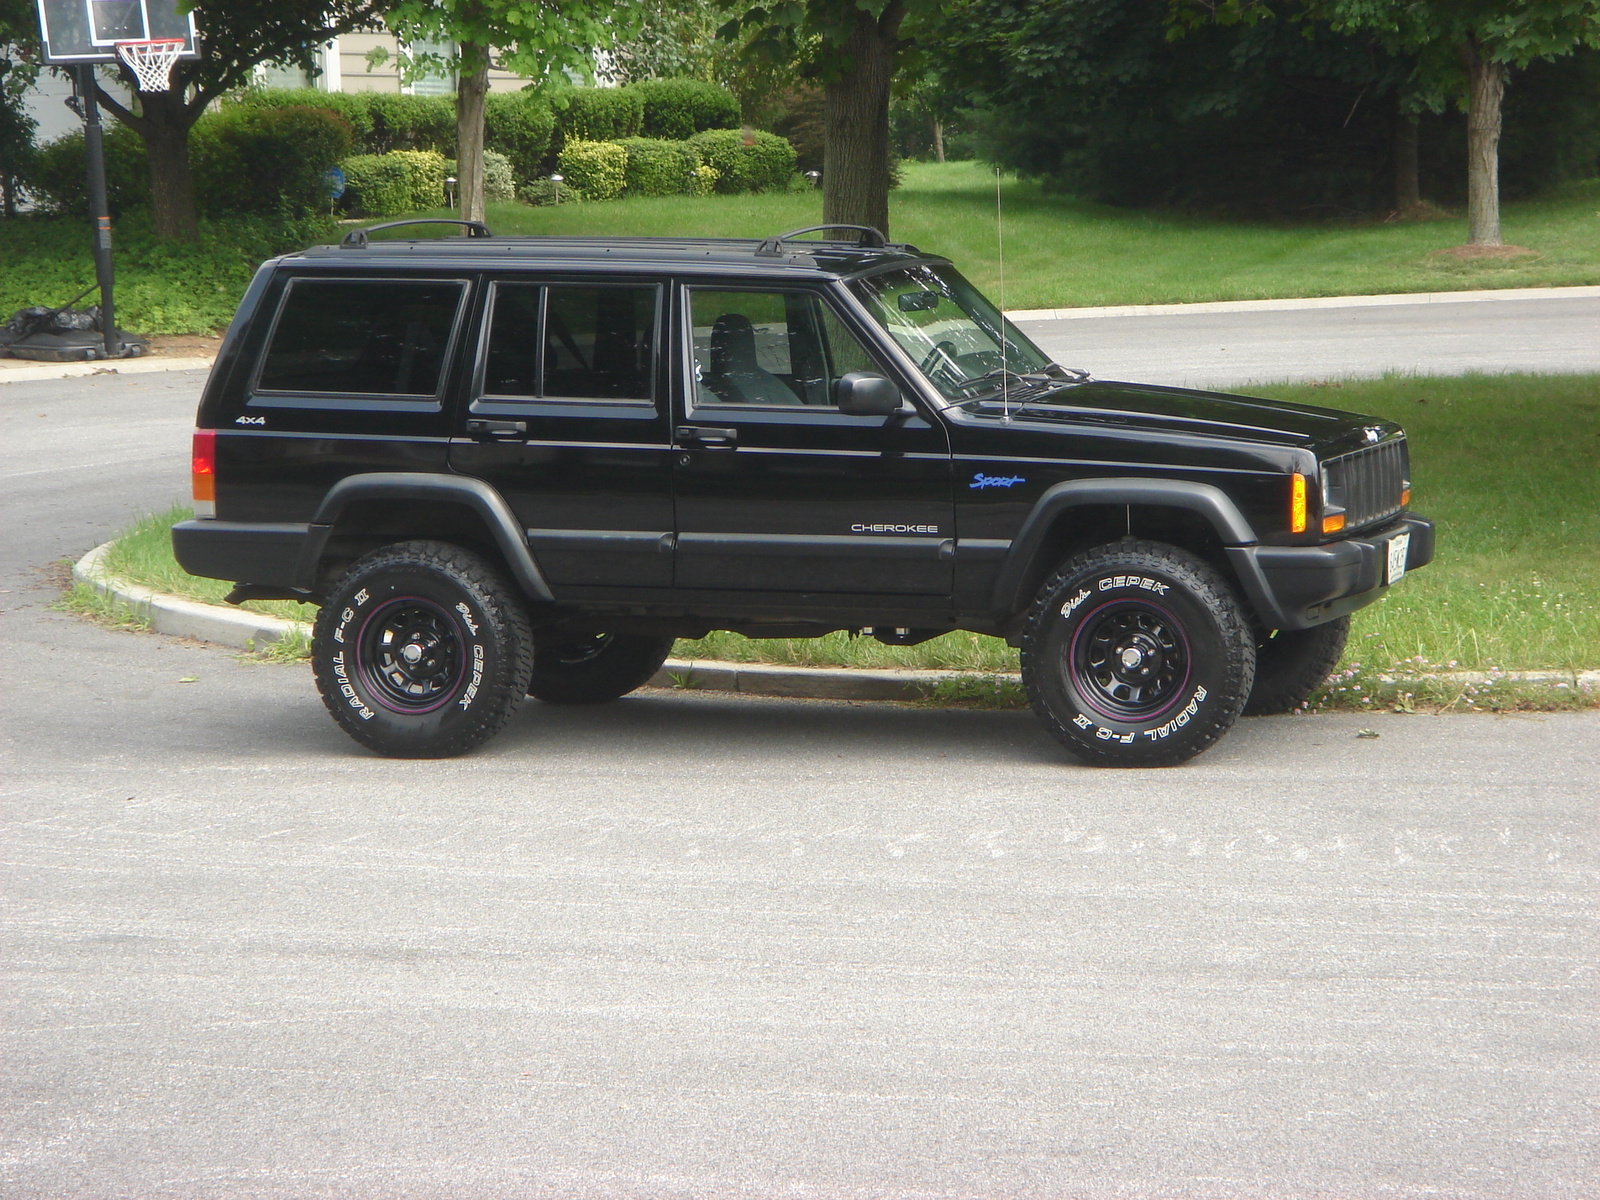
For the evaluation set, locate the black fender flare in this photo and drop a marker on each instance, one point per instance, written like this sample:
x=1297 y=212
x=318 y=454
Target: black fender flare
x=1209 y=502
x=490 y=505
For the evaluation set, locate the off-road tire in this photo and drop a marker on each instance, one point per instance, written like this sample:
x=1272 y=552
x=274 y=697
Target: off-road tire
x=1291 y=664
x=594 y=668
x=421 y=650
x=1137 y=654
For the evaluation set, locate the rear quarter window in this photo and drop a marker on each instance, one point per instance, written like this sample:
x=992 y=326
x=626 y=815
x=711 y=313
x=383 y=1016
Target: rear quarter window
x=365 y=337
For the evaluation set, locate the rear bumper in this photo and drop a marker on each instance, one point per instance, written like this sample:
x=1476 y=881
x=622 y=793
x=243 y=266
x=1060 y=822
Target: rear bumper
x=1296 y=587
x=279 y=556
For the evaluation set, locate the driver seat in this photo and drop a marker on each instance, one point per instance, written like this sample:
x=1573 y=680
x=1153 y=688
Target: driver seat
x=736 y=376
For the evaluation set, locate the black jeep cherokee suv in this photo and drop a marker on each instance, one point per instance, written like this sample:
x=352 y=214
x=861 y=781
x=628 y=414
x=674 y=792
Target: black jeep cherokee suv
x=524 y=465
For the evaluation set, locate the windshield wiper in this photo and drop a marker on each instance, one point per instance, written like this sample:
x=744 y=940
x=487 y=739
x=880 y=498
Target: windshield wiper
x=1054 y=375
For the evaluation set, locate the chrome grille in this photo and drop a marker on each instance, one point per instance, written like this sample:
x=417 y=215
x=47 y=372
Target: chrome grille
x=1367 y=483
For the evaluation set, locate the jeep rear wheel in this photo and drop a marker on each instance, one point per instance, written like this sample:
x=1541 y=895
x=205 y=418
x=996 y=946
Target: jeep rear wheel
x=593 y=668
x=1137 y=654
x=1291 y=664
x=421 y=649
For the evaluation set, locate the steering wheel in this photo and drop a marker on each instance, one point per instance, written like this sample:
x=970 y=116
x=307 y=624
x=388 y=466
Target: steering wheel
x=931 y=361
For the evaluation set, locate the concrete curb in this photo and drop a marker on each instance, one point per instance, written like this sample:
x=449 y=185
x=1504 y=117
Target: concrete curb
x=252 y=631
x=120 y=366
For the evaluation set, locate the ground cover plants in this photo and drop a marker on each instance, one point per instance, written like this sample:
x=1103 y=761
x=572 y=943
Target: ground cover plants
x=1503 y=463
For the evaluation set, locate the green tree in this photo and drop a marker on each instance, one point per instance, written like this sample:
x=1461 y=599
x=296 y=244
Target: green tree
x=1463 y=50
x=535 y=38
x=234 y=38
x=855 y=47
x=19 y=66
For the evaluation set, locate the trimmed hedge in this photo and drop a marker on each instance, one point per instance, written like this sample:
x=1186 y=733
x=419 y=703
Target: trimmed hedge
x=659 y=168
x=498 y=181
x=377 y=185
x=766 y=164
x=677 y=109
x=382 y=121
x=266 y=160
x=425 y=172
x=520 y=126
x=597 y=169
x=599 y=115
x=58 y=176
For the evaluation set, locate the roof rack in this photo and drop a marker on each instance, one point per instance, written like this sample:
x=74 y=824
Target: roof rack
x=475 y=229
x=871 y=238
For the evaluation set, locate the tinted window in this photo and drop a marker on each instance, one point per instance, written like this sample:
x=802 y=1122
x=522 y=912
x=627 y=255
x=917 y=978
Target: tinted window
x=598 y=342
x=770 y=348
x=370 y=337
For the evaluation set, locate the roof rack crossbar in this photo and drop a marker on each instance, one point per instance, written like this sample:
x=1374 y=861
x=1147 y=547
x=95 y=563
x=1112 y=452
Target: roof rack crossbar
x=871 y=237
x=358 y=237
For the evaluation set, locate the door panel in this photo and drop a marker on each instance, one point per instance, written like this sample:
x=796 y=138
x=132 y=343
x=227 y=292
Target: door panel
x=566 y=426
x=777 y=490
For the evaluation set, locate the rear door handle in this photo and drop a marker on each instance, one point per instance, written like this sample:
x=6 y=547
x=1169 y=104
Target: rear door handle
x=497 y=431
x=708 y=438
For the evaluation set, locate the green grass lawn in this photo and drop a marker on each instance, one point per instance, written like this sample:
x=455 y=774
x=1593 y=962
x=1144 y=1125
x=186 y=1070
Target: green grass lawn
x=1505 y=464
x=1059 y=252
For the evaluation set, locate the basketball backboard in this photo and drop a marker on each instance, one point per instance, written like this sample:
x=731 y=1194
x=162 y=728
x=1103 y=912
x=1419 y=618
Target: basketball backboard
x=87 y=31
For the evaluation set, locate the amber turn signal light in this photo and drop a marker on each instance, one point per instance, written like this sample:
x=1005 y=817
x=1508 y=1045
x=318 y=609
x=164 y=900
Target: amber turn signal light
x=1333 y=524
x=1297 y=503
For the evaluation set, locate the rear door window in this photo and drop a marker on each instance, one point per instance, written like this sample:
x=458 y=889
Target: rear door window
x=571 y=342
x=363 y=337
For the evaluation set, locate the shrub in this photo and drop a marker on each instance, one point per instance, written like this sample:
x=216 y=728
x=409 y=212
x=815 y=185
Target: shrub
x=411 y=123
x=659 y=168
x=266 y=160
x=599 y=115
x=377 y=185
x=58 y=179
x=352 y=106
x=425 y=172
x=499 y=181
x=678 y=109
x=543 y=192
x=598 y=169
x=705 y=180
x=765 y=164
x=518 y=125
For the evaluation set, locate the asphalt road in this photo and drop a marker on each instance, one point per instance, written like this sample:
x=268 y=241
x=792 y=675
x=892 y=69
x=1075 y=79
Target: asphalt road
x=698 y=945
x=1208 y=348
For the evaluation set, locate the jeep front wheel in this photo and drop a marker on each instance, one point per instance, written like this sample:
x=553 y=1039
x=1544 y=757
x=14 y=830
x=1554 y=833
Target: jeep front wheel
x=596 y=667
x=421 y=650
x=1137 y=654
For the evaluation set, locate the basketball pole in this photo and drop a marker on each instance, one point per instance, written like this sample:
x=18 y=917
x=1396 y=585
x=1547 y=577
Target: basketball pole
x=99 y=207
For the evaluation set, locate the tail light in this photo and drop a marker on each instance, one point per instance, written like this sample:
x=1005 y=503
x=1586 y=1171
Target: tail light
x=203 y=472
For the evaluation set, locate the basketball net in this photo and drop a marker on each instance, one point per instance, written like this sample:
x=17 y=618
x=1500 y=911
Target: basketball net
x=151 y=62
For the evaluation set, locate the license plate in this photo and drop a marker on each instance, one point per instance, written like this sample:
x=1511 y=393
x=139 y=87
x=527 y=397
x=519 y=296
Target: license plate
x=1399 y=546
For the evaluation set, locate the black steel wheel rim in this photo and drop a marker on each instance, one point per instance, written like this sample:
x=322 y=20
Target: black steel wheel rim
x=1129 y=661
x=411 y=655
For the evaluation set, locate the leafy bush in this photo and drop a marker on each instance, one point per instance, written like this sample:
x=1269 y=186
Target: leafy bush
x=705 y=181
x=377 y=185
x=58 y=179
x=598 y=169
x=382 y=121
x=266 y=160
x=352 y=106
x=659 y=168
x=518 y=125
x=425 y=170
x=543 y=192
x=598 y=115
x=767 y=163
x=499 y=181
x=677 y=109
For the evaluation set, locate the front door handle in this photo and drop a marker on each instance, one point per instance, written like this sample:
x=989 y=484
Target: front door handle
x=705 y=437
x=497 y=431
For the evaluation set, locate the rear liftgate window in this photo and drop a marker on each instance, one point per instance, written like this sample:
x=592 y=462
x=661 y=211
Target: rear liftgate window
x=362 y=337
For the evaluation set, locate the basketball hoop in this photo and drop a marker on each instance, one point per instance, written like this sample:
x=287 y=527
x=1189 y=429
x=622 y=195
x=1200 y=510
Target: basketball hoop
x=151 y=61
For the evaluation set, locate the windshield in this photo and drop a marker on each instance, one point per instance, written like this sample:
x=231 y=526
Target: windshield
x=950 y=331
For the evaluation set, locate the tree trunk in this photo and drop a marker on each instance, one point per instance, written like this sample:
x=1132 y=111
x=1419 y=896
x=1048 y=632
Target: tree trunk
x=1407 y=186
x=1486 y=85
x=164 y=124
x=471 y=87
x=855 y=156
x=938 y=140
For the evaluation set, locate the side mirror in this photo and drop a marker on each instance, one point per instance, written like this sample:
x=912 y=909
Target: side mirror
x=866 y=394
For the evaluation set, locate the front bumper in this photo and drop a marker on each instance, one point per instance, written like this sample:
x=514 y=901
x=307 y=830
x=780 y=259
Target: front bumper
x=1296 y=587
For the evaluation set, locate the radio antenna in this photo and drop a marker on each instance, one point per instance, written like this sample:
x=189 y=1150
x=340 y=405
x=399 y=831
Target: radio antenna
x=1000 y=245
